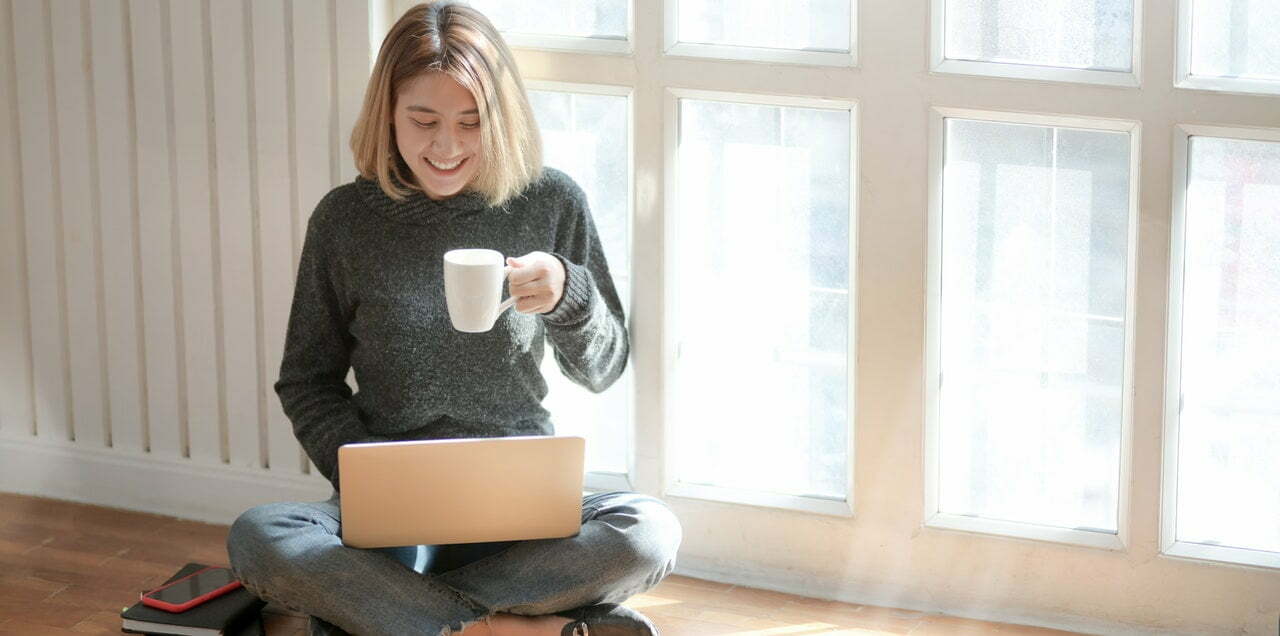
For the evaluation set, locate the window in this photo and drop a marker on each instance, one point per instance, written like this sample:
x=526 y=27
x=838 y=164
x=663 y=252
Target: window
x=1064 y=40
x=586 y=133
x=797 y=31
x=1030 y=299
x=1230 y=45
x=997 y=250
x=589 y=25
x=1222 y=490
x=762 y=311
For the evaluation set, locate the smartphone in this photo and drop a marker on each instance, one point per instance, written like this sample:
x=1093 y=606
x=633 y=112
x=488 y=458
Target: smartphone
x=191 y=590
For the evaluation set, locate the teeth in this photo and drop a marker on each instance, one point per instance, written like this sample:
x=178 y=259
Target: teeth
x=445 y=166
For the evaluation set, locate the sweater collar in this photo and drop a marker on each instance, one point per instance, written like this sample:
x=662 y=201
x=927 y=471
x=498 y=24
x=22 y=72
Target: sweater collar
x=418 y=208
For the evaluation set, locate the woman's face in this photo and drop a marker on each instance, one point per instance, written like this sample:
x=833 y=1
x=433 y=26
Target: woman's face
x=438 y=133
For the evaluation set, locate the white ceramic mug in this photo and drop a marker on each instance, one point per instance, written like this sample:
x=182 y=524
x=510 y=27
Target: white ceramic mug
x=472 y=288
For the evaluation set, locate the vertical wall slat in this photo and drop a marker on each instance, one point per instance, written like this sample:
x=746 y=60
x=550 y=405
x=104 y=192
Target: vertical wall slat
x=152 y=122
x=236 y=233
x=16 y=411
x=79 y=241
x=312 y=74
x=155 y=228
x=35 y=133
x=312 y=91
x=353 y=73
x=196 y=227
x=115 y=187
x=275 y=213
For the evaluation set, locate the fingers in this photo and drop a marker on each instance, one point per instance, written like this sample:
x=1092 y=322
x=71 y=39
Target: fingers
x=539 y=304
x=525 y=270
x=529 y=288
x=528 y=279
x=532 y=281
x=533 y=296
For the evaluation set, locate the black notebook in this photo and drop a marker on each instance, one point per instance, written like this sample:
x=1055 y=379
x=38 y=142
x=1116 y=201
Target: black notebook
x=235 y=613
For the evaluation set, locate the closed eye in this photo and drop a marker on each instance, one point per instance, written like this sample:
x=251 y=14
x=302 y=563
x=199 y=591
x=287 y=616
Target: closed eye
x=432 y=124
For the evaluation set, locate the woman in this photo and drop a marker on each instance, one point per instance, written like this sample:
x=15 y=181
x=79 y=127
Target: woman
x=449 y=157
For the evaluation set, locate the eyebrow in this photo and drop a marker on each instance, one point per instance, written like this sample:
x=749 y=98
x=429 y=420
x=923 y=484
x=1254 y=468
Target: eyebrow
x=424 y=109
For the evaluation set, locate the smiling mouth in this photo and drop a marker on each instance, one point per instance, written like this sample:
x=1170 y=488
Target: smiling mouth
x=451 y=166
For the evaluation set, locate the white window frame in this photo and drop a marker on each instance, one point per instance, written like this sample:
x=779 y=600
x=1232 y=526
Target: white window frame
x=940 y=64
x=387 y=11
x=1205 y=83
x=603 y=46
x=673 y=487
x=547 y=42
x=1169 y=544
x=603 y=480
x=933 y=517
x=674 y=47
x=898 y=106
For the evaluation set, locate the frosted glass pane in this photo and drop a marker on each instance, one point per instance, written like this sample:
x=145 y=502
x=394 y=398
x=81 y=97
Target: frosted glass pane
x=1236 y=38
x=586 y=136
x=1086 y=34
x=761 y=307
x=1229 y=429
x=1032 y=319
x=811 y=25
x=582 y=18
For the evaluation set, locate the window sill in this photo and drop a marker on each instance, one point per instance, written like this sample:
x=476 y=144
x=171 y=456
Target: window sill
x=1086 y=538
x=1223 y=554
x=816 y=505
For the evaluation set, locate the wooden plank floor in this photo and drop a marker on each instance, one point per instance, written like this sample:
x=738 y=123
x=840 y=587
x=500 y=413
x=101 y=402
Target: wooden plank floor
x=68 y=569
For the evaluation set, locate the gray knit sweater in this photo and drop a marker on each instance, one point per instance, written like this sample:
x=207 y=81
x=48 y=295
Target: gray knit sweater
x=370 y=296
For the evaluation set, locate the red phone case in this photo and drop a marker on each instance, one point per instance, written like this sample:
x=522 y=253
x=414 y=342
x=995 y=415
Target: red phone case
x=170 y=607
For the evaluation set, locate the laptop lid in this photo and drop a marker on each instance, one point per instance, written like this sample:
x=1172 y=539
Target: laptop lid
x=437 y=492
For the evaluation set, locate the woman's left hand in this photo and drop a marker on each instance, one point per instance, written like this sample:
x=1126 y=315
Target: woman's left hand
x=536 y=281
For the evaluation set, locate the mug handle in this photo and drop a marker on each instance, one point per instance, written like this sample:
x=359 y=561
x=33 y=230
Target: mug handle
x=510 y=302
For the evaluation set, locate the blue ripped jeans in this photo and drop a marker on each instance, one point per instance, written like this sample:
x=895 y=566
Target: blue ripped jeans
x=292 y=554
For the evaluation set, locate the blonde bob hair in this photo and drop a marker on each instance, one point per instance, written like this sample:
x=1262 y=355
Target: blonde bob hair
x=452 y=38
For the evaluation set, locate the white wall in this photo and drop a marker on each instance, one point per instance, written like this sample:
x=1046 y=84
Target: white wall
x=159 y=162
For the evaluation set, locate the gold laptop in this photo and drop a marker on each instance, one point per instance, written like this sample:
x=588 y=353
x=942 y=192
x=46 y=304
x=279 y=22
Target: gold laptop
x=436 y=492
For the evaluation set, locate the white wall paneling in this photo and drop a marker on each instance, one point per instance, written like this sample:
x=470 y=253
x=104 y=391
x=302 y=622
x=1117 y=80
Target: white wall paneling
x=213 y=493
x=41 y=210
x=189 y=93
x=17 y=419
x=116 y=190
x=352 y=60
x=273 y=212
x=237 y=238
x=156 y=258
x=167 y=156
x=80 y=245
x=314 y=124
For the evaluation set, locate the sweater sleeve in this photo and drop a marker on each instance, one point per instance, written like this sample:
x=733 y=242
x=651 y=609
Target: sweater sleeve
x=586 y=328
x=312 y=386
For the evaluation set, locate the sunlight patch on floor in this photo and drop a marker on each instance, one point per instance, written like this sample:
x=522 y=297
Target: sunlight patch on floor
x=792 y=630
x=826 y=629
x=641 y=601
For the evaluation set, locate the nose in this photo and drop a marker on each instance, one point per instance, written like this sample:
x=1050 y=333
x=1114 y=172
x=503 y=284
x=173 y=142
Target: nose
x=445 y=142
